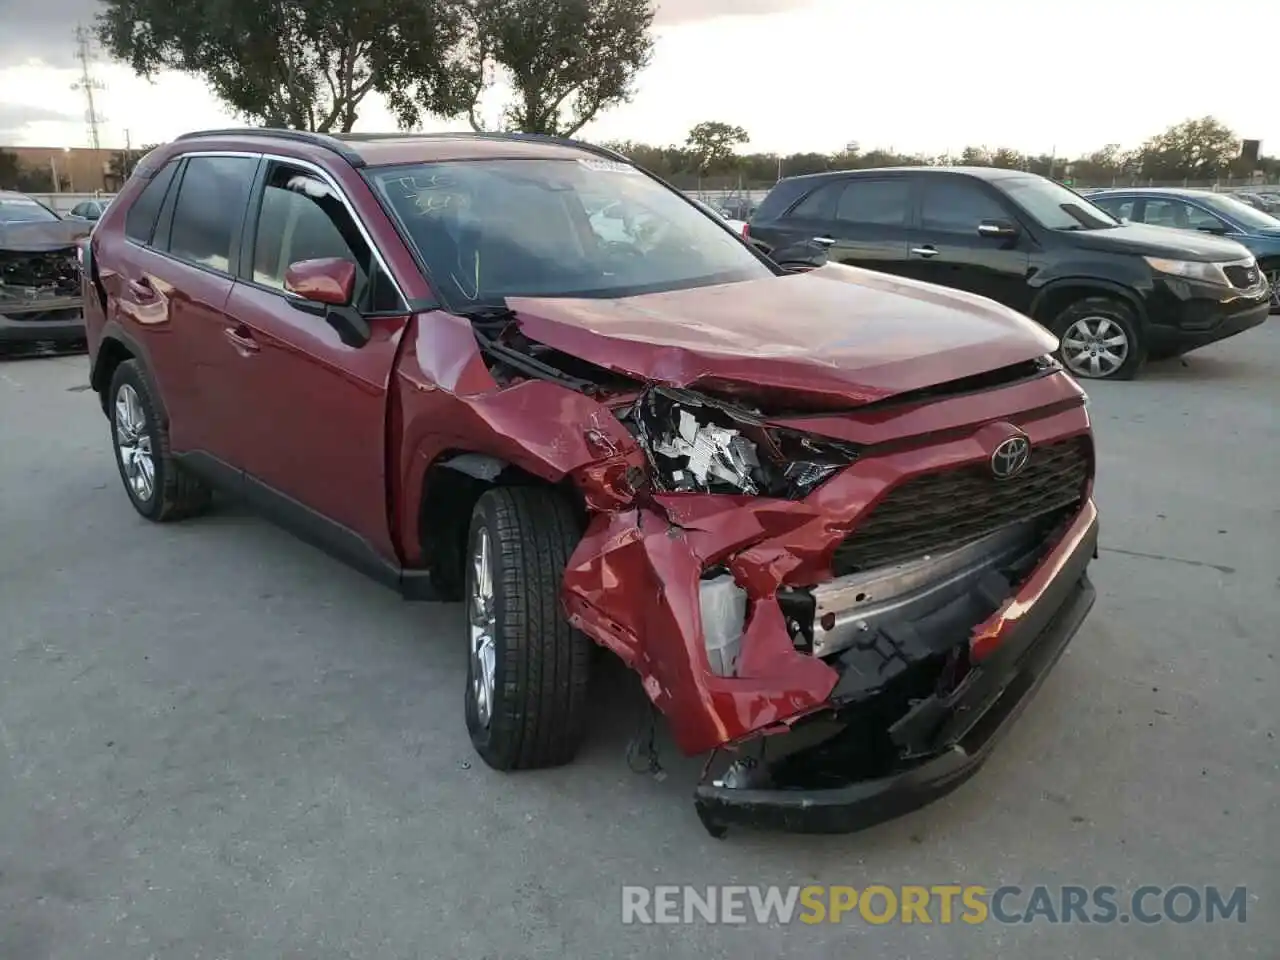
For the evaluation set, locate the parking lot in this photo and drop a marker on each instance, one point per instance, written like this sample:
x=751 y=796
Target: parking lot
x=215 y=742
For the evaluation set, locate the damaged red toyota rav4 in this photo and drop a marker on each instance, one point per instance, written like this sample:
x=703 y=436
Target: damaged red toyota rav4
x=838 y=522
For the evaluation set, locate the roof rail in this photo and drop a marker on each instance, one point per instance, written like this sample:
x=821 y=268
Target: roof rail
x=337 y=143
x=300 y=136
x=487 y=135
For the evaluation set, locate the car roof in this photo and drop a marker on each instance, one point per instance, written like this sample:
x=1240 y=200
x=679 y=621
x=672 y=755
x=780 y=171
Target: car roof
x=1190 y=192
x=385 y=149
x=982 y=173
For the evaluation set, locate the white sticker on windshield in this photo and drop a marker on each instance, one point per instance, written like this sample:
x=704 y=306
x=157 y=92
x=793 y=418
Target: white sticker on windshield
x=607 y=166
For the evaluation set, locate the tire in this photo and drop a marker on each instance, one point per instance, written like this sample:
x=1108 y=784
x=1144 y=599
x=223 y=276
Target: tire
x=1271 y=269
x=172 y=492
x=1100 y=315
x=540 y=666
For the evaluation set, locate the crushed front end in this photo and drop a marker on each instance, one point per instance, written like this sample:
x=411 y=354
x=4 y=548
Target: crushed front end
x=845 y=608
x=40 y=296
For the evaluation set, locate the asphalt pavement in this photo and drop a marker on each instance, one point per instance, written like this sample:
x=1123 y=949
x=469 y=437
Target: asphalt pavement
x=216 y=742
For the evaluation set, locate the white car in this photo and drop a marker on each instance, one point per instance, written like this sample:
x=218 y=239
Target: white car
x=738 y=226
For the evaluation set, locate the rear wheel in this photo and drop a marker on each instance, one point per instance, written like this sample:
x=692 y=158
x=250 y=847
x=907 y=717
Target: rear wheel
x=528 y=670
x=158 y=487
x=1100 y=339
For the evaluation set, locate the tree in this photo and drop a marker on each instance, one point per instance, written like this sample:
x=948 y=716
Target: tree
x=302 y=64
x=711 y=145
x=568 y=60
x=1192 y=150
x=10 y=170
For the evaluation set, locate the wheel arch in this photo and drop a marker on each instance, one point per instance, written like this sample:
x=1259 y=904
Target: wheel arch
x=115 y=348
x=452 y=484
x=1057 y=295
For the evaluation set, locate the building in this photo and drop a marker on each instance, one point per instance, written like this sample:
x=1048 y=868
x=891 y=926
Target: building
x=80 y=169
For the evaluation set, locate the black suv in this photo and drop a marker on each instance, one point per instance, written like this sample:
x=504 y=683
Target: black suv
x=1113 y=292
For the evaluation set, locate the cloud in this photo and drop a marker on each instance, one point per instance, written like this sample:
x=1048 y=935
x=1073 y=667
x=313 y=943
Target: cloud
x=672 y=12
x=15 y=117
x=42 y=30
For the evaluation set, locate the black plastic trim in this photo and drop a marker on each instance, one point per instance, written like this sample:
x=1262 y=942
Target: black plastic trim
x=322 y=140
x=311 y=527
x=1003 y=687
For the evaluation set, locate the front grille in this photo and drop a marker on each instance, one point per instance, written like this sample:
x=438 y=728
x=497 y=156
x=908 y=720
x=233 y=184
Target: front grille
x=936 y=512
x=1242 y=277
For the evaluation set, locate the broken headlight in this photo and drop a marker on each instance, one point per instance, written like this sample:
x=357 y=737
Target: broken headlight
x=699 y=445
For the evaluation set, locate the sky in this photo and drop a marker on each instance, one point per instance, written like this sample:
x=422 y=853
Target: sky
x=925 y=76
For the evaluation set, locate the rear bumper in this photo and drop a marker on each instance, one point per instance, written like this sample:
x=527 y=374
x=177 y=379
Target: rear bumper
x=958 y=731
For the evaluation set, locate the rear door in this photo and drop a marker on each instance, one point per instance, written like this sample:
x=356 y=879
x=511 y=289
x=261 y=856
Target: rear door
x=871 y=226
x=313 y=411
x=790 y=237
x=171 y=287
x=947 y=249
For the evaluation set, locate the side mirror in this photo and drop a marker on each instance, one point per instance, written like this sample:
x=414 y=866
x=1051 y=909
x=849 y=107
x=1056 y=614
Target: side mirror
x=325 y=288
x=998 y=229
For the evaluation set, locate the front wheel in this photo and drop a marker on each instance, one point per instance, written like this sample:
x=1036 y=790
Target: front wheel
x=1100 y=339
x=528 y=670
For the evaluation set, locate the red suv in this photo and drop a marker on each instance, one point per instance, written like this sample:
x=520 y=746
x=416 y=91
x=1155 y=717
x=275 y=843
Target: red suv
x=841 y=514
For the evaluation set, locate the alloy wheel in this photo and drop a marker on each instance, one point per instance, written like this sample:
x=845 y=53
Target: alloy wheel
x=1273 y=278
x=483 y=628
x=1095 y=347
x=133 y=443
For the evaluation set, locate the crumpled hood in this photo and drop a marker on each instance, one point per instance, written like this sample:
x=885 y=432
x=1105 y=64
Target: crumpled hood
x=38 y=236
x=836 y=336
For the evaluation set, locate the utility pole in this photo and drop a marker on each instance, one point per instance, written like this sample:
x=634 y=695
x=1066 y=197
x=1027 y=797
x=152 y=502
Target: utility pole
x=87 y=84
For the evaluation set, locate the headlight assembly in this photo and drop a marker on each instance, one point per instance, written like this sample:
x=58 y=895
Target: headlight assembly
x=1190 y=270
x=699 y=445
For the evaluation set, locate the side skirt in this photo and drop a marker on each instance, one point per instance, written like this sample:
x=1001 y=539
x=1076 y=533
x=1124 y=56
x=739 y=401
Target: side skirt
x=311 y=527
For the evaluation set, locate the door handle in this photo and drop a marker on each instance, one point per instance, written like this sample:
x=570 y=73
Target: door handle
x=824 y=241
x=142 y=290
x=241 y=339
x=925 y=251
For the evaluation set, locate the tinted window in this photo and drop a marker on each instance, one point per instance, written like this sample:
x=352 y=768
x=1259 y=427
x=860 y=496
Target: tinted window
x=1178 y=214
x=1116 y=206
x=491 y=229
x=302 y=218
x=821 y=204
x=140 y=221
x=880 y=202
x=211 y=202
x=957 y=206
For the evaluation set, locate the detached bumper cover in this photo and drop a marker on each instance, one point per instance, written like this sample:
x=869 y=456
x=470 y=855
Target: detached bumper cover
x=948 y=738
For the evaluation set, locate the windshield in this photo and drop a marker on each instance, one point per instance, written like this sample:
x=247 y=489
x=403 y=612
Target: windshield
x=1239 y=211
x=24 y=209
x=1055 y=207
x=491 y=229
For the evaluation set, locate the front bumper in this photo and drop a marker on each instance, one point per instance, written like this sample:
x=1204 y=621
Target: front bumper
x=1186 y=315
x=52 y=320
x=947 y=738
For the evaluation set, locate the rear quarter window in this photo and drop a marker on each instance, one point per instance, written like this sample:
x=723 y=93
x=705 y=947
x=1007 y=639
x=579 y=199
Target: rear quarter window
x=140 y=221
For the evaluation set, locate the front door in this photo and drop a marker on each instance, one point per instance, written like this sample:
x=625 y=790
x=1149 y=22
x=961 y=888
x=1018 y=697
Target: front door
x=948 y=250
x=315 y=411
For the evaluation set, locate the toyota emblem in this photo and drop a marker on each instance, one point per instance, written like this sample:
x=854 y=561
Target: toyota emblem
x=1010 y=458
